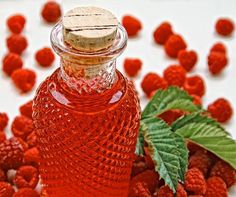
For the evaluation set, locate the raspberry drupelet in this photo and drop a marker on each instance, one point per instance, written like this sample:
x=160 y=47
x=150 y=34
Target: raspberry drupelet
x=195 y=85
x=132 y=25
x=132 y=66
x=45 y=57
x=162 y=33
x=187 y=59
x=224 y=26
x=17 y=43
x=216 y=187
x=165 y=191
x=221 y=110
x=16 y=23
x=219 y=47
x=139 y=189
x=11 y=62
x=51 y=12
x=3 y=120
x=217 y=61
x=175 y=75
x=6 y=190
x=174 y=44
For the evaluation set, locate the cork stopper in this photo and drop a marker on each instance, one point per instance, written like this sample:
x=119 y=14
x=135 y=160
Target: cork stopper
x=89 y=28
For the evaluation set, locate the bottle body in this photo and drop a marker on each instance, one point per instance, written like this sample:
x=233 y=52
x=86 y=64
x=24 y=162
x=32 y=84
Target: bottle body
x=86 y=142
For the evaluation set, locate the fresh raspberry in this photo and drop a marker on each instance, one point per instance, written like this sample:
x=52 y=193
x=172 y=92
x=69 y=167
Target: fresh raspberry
x=219 y=47
x=225 y=171
x=51 y=12
x=162 y=33
x=2 y=175
x=195 y=182
x=24 y=79
x=175 y=75
x=3 y=120
x=132 y=66
x=149 y=162
x=171 y=115
x=224 y=26
x=32 y=157
x=6 y=190
x=16 y=23
x=165 y=191
x=31 y=139
x=216 y=187
x=2 y=136
x=26 y=192
x=17 y=43
x=139 y=166
x=26 y=109
x=45 y=57
x=221 y=110
x=22 y=126
x=196 y=99
x=149 y=177
x=11 y=154
x=195 y=85
x=11 y=62
x=139 y=189
x=187 y=59
x=174 y=44
x=217 y=61
x=201 y=161
x=23 y=144
x=26 y=176
x=132 y=25
x=152 y=82
x=193 y=148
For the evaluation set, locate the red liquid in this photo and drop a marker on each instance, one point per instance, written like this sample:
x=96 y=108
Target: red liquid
x=86 y=142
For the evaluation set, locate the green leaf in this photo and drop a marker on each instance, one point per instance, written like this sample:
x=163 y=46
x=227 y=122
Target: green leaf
x=140 y=142
x=172 y=98
x=163 y=149
x=183 y=155
x=208 y=134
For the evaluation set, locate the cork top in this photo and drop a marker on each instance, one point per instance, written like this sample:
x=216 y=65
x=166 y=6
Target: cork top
x=89 y=28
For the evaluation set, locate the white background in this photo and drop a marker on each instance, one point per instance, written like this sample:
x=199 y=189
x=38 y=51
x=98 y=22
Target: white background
x=194 y=19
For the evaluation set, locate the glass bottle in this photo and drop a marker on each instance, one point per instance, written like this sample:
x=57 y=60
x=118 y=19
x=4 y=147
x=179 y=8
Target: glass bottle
x=86 y=116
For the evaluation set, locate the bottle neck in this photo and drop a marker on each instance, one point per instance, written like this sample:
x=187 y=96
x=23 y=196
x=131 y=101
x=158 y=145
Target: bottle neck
x=88 y=78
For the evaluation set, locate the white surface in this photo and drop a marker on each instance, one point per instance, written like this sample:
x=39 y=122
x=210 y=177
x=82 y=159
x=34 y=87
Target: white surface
x=194 y=19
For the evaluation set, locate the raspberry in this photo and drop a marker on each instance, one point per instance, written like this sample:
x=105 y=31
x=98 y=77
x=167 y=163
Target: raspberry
x=217 y=61
x=218 y=47
x=45 y=57
x=196 y=99
x=2 y=137
x=32 y=157
x=195 y=196
x=152 y=82
x=220 y=110
x=224 y=26
x=149 y=162
x=225 y=171
x=6 y=190
x=174 y=44
x=26 y=192
x=193 y=148
x=139 y=166
x=170 y=116
x=175 y=75
x=139 y=189
x=201 y=161
x=51 y=12
x=16 y=23
x=132 y=66
x=187 y=59
x=31 y=139
x=132 y=25
x=165 y=191
x=195 y=85
x=26 y=109
x=26 y=176
x=11 y=154
x=195 y=182
x=44 y=193
x=162 y=33
x=149 y=177
x=11 y=62
x=3 y=120
x=22 y=127
x=23 y=144
x=216 y=187
x=2 y=175
x=24 y=79
x=17 y=43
